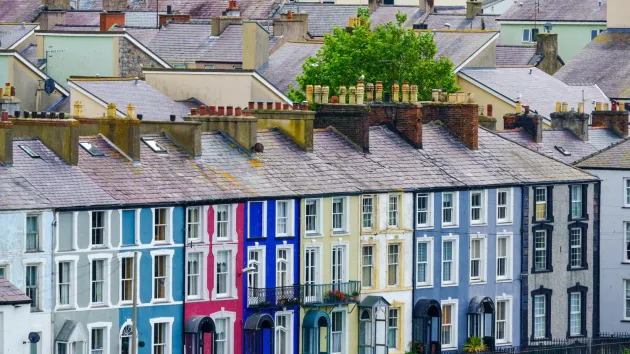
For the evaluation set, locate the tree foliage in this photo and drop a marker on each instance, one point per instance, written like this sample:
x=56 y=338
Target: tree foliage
x=388 y=53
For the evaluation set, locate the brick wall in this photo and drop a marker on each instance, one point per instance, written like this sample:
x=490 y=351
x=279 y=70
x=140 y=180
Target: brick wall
x=131 y=59
x=403 y=118
x=532 y=124
x=461 y=119
x=352 y=121
x=614 y=120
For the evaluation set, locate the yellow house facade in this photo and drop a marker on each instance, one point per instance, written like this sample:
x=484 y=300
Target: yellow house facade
x=330 y=231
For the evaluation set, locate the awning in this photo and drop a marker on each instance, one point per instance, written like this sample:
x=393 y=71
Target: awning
x=371 y=301
x=427 y=308
x=481 y=304
x=259 y=321
x=316 y=319
x=197 y=324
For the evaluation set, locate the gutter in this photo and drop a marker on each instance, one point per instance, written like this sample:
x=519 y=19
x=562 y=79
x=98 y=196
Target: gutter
x=414 y=275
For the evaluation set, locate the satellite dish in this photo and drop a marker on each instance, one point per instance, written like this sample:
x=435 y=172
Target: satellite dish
x=548 y=27
x=33 y=337
x=49 y=86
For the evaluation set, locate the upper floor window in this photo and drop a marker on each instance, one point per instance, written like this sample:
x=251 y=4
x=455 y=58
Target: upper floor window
x=64 y=282
x=367 y=266
x=193 y=271
x=98 y=228
x=256 y=262
x=32 y=287
x=339 y=214
x=504 y=206
x=477 y=259
x=477 y=207
x=393 y=266
x=283 y=218
x=627 y=191
x=541 y=203
x=449 y=261
x=424 y=217
x=98 y=281
x=126 y=279
x=541 y=250
x=504 y=257
x=626 y=244
x=223 y=222
x=97 y=341
x=193 y=224
x=424 y=271
x=284 y=276
x=224 y=273
x=367 y=210
x=530 y=35
x=577 y=248
x=576 y=202
x=160 y=277
x=393 y=211
x=160 y=224
x=312 y=216
x=626 y=297
x=449 y=209
x=32 y=233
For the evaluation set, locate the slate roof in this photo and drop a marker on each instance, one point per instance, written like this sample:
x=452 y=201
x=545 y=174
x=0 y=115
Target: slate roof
x=323 y=18
x=461 y=45
x=286 y=63
x=149 y=102
x=11 y=295
x=538 y=90
x=18 y=11
x=252 y=9
x=11 y=34
x=83 y=18
x=66 y=331
x=460 y=22
x=564 y=10
x=614 y=157
x=604 y=62
x=387 y=13
x=516 y=55
x=193 y=42
x=599 y=138
x=87 y=4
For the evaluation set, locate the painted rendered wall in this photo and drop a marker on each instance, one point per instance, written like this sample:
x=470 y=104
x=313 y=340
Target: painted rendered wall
x=27 y=85
x=560 y=279
x=6 y=72
x=15 y=323
x=497 y=7
x=613 y=268
x=465 y=290
x=380 y=237
x=483 y=99
x=571 y=38
x=91 y=108
x=80 y=56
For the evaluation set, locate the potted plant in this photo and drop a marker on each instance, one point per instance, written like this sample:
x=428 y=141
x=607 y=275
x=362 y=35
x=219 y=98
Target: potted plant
x=355 y=295
x=475 y=345
x=263 y=304
x=282 y=301
x=293 y=302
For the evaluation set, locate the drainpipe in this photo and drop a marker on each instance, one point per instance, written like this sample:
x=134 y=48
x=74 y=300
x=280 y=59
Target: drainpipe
x=413 y=267
x=52 y=280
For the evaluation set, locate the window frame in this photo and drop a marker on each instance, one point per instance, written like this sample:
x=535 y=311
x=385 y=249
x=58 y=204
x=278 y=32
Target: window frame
x=597 y=32
x=483 y=259
x=548 y=229
x=227 y=340
x=36 y=304
x=68 y=283
x=289 y=218
x=428 y=283
x=483 y=207
x=168 y=275
x=344 y=329
x=546 y=293
x=166 y=223
x=548 y=205
x=199 y=275
x=429 y=210
x=626 y=306
x=583 y=227
x=508 y=320
x=454 y=261
x=626 y=188
x=372 y=267
x=583 y=293
x=397 y=327
x=230 y=286
x=454 y=210
x=263 y=231
x=103 y=282
x=106 y=328
x=122 y=257
x=342 y=229
x=217 y=210
x=528 y=38
x=508 y=205
x=453 y=303
x=289 y=262
x=199 y=224
x=398 y=266
x=583 y=195
x=102 y=228
x=396 y=212
x=372 y=213
x=509 y=257
x=344 y=266
x=261 y=263
x=626 y=243
x=317 y=222
x=288 y=329
x=168 y=322
x=38 y=236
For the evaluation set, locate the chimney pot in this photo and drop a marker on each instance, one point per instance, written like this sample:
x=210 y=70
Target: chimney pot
x=379 y=92
x=278 y=106
x=229 y=111
x=202 y=110
x=289 y=15
x=17 y=114
x=598 y=106
x=248 y=113
x=622 y=106
x=62 y=115
x=7 y=89
x=27 y=114
x=286 y=107
x=139 y=116
x=269 y=106
x=395 y=92
x=405 y=92
x=614 y=106
x=325 y=92
x=12 y=91
x=305 y=106
x=221 y=110
x=296 y=106
x=452 y=98
x=342 y=94
x=565 y=106
x=580 y=107
x=519 y=107
x=250 y=105
x=5 y=116
x=526 y=109
x=352 y=96
x=261 y=105
x=606 y=107
x=238 y=112
x=193 y=111
x=558 y=106
x=414 y=94
x=309 y=93
x=173 y=117
x=489 y=110
x=369 y=89
x=131 y=111
x=212 y=110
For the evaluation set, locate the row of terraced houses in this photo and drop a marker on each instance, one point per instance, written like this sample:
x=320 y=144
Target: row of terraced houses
x=401 y=227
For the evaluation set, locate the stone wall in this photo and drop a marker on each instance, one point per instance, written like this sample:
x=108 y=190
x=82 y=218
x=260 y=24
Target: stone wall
x=132 y=59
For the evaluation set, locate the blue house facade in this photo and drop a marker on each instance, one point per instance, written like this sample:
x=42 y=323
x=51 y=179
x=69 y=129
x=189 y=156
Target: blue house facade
x=271 y=276
x=467 y=268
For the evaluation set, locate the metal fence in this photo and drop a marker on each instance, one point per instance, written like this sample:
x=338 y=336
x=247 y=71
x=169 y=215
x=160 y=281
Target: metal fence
x=606 y=343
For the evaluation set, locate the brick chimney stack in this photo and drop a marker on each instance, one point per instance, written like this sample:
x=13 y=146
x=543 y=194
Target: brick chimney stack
x=109 y=19
x=531 y=123
x=616 y=121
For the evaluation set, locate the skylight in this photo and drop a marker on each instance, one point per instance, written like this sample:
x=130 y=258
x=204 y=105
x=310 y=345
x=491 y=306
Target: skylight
x=154 y=145
x=91 y=148
x=29 y=151
x=562 y=151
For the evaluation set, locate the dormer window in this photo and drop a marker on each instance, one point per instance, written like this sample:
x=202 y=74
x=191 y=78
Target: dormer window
x=154 y=145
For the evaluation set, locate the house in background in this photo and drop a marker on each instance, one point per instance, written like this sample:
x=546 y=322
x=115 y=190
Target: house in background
x=577 y=22
x=14 y=310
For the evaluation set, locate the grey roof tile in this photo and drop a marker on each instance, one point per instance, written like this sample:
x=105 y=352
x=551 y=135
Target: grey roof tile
x=387 y=13
x=11 y=34
x=10 y=294
x=323 y=18
x=565 y=10
x=602 y=63
x=538 y=90
x=252 y=9
x=460 y=22
x=285 y=64
x=613 y=157
x=461 y=45
x=16 y=11
x=516 y=55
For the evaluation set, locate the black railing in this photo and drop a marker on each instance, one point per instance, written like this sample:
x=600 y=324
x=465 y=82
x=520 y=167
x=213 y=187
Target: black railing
x=608 y=343
x=283 y=296
x=331 y=294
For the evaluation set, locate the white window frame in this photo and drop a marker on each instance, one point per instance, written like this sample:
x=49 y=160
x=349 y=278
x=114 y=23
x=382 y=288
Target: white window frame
x=509 y=257
x=73 y=282
x=428 y=210
x=105 y=229
x=429 y=262
x=199 y=275
x=454 y=210
x=316 y=249
x=483 y=207
x=483 y=259
x=40 y=263
x=229 y=208
x=626 y=188
x=230 y=324
x=39 y=232
x=578 y=247
x=203 y=275
x=289 y=218
x=168 y=236
x=508 y=205
x=289 y=261
x=345 y=246
x=344 y=330
x=397 y=211
x=343 y=230
x=544 y=250
x=264 y=220
x=107 y=260
x=626 y=302
x=626 y=243
x=454 y=261
x=7 y=269
x=596 y=32
x=371 y=213
x=199 y=224
x=169 y=328
x=373 y=257
x=544 y=315
x=121 y=258
x=318 y=218
x=106 y=327
x=397 y=327
x=262 y=265
x=289 y=329
x=454 y=323
x=577 y=200
x=232 y=293
x=528 y=37
x=397 y=264
x=508 y=320
x=573 y=312
x=168 y=283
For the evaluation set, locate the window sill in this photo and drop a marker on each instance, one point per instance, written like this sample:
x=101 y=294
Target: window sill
x=478 y=282
x=65 y=308
x=312 y=235
x=160 y=243
x=450 y=226
x=506 y=344
x=98 y=247
x=256 y=238
x=224 y=298
x=424 y=227
x=574 y=269
x=450 y=347
x=540 y=339
x=126 y=303
x=585 y=218
x=195 y=299
x=533 y=271
x=625 y=321
x=504 y=280
x=447 y=285
x=424 y=286
x=159 y=301
x=97 y=306
x=505 y=223
x=284 y=236
x=36 y=310
x=571 y=336
x=625 y=262
x=474 y=224
x=34 y=251
x=340 y=233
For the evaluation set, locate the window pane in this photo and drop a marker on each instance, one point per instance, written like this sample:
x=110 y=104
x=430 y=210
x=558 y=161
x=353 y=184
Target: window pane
x=368 y=211
x=575 y=256
x=392 y=332
x=540 y=250
x=32 y=233
x=368 y=266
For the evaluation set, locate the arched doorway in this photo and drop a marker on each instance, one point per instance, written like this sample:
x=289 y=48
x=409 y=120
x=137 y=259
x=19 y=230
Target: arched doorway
x=427 y=316
x=481 y=319
x=259 y=334
x=314 y=341
x=125 y=338
x=200 y=334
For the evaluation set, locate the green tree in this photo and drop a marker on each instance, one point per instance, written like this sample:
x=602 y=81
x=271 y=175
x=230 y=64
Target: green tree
x=388 y=53
x=475 y=345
